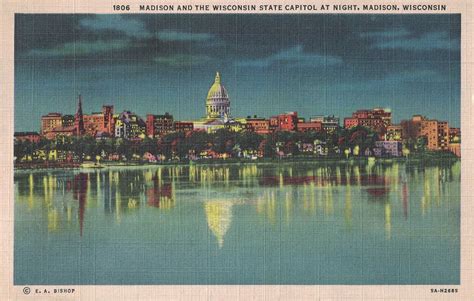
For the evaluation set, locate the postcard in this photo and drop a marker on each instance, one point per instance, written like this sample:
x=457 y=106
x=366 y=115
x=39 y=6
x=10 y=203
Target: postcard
x=206 y=150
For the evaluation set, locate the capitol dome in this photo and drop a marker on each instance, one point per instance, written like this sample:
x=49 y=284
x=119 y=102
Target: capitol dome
x=217 y=101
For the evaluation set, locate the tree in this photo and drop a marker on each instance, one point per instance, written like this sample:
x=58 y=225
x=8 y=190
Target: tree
x=347 y=151
x=269 y=146
x=148 y=145
x=405 y=152
x=421 y=143
x=124 y=147
x=249 y=140
x=198 y=141
x=22 y=149
x=223 y=141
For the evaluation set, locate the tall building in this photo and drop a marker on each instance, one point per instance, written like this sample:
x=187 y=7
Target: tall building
x=437 y=133
x=429 y=129
x=443 y=135
x=384 y=114
x=376 y=119
x=50 y=121
x=217 y=100
x=157 y=125
x=109 y=122
x=100 y=123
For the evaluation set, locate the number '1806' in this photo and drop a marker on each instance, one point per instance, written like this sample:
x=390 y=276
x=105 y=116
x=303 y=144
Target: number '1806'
x=121 y=7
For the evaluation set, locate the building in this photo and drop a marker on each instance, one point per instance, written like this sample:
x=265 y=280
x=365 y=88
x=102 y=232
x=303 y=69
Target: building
x=50 y=122
x=100 y=123
x=329 y=123
x=217 y=109
x=443 y=135
x=258 y=125
x=384 y=114
x=377 y=119
x=27 y=136
x=394 y=133
x=388 y=148
x=454 y=135
x=454 y=145
x=128 y=125
x=60 y=131
x=67 y=120
x=183 y=126
x=350 y=122
x=109 y=122
x=284 y=122
x=217 y=100
x=158 y=125
x=374 y=124
x=429 y=130
x=55 y=124
x=315 y=126
x=437 y=133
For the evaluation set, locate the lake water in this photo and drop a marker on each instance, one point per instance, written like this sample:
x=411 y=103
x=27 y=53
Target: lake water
x=292 y=223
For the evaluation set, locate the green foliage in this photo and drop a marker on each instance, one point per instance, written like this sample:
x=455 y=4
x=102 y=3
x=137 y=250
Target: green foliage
x=249 y=140
x=223 y=141
x=178 y=145
x=357 y=136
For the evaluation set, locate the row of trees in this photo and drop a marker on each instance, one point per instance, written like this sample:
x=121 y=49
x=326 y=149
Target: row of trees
x=180 y=145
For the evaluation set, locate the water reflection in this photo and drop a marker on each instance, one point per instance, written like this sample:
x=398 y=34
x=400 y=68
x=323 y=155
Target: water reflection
x=219 y=218
x=81 y=186
x=277 y=193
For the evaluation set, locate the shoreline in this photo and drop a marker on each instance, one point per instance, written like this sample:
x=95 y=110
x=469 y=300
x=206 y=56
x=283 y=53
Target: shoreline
x=204 y=162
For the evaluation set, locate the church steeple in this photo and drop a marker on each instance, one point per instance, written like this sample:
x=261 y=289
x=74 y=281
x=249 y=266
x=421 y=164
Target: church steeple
x=79 y=119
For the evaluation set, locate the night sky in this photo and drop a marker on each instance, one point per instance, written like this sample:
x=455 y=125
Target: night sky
x=312 y=64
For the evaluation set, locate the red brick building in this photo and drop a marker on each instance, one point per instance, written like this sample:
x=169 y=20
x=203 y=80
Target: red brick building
x=315 y=126
x=183 y=126
x=376 y=119
x=99 y=122
x=284 y=122
x=350 y=122
x=157 y=125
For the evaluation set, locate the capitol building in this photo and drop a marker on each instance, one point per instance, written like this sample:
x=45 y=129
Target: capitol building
x=217 y=101
x=217 y=109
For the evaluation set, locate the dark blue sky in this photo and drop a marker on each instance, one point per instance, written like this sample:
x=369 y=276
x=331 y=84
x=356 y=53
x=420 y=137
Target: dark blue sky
x=312 y=64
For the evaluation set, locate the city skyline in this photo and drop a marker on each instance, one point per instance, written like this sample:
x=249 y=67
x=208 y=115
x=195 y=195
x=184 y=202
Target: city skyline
x=166 y=63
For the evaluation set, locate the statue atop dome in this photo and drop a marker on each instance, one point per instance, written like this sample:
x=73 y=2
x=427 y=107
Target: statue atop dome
x=217 y=101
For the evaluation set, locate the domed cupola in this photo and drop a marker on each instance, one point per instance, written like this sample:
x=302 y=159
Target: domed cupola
x=217 y=101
